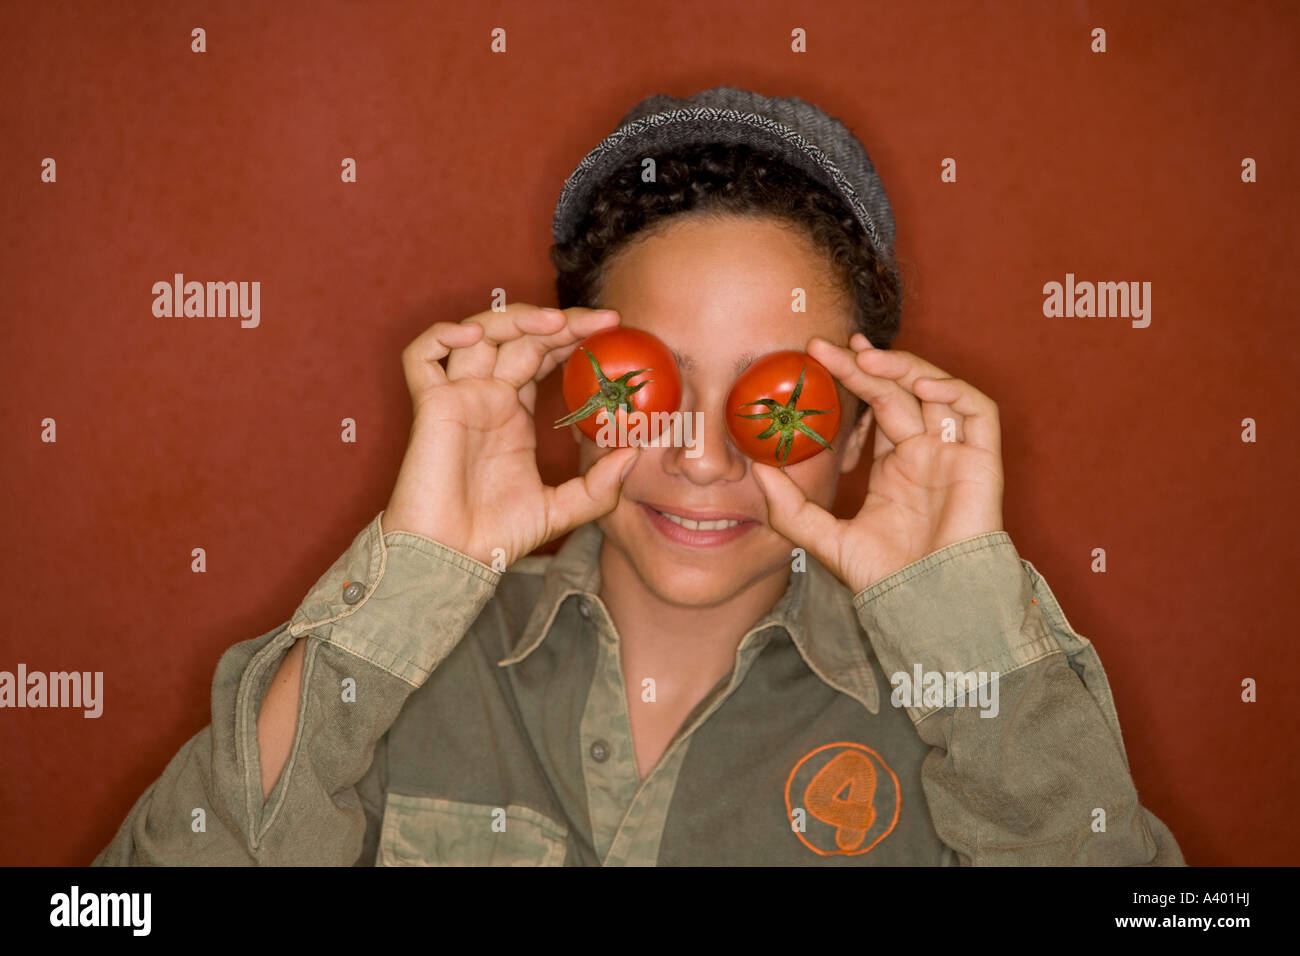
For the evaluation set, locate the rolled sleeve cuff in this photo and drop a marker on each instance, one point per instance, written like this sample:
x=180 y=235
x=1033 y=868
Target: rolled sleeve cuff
x=967 y=607
x=416 y=599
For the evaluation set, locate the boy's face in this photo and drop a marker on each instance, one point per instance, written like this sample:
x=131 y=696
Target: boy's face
x=718 y=292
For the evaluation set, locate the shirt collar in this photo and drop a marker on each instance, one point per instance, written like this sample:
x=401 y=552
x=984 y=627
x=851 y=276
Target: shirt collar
x=816 y=611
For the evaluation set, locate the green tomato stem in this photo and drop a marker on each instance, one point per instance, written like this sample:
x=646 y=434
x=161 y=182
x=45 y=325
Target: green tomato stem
x=611 y=394
x=786 y=420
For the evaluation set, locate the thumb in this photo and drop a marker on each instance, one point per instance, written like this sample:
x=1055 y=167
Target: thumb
x=793 y=516
x=587 y=497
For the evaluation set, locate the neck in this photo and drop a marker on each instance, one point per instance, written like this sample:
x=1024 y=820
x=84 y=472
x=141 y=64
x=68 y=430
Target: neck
x=685 y=649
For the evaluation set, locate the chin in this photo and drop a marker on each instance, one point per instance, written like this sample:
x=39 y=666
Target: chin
x=693 y=576
x=691 y=587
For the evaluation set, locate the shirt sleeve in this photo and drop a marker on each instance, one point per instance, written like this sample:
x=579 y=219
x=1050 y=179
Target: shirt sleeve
x=368 y=649
x=1027 y=765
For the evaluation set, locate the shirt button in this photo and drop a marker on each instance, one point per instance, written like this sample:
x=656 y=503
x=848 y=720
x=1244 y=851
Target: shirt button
x=354 y=591
x=600 y=751
x=584 y=608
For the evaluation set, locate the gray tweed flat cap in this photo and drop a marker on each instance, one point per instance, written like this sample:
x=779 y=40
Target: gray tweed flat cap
x=795 y=131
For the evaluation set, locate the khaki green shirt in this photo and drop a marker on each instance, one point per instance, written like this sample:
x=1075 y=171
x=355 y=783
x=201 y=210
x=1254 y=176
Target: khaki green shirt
x=451 y=714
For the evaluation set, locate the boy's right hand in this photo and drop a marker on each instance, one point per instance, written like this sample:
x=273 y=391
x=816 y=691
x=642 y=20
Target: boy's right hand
x=469 y=479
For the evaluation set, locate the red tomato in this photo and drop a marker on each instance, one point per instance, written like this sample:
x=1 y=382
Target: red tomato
x=783 y=409
x=619 y=370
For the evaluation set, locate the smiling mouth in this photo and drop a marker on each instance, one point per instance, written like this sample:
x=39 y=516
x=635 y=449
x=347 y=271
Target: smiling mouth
x=700 y=522
x=690 y=525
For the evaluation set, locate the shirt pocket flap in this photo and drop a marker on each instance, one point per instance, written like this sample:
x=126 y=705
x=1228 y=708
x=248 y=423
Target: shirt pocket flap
x=425 y=831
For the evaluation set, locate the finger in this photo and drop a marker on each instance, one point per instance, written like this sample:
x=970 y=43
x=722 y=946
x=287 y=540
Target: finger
x=899 y=366
x=794 y=517
x=517 y=319
x=883 y=445
x=981 y=423
x=897 y=411
x=422 y=359
x=533 y=357
x=905 y=368
x=940 y=417
x=936 y=415
x=590 y=495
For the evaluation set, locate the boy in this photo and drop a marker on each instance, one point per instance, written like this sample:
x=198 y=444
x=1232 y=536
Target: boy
x=702 y=674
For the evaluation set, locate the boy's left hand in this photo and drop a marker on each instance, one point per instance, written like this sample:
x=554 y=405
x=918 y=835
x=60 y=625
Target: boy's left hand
x=924 y=492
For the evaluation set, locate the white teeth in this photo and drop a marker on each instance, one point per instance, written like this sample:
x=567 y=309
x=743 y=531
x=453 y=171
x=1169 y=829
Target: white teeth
x=690 y=525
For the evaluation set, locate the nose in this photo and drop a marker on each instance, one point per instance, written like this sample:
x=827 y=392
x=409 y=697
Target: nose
x=714 y=456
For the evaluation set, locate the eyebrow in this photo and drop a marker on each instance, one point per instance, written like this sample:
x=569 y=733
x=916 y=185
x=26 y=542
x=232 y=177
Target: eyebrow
x=689 y=364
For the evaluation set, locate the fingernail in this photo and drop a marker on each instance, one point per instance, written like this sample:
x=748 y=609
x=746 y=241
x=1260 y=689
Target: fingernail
x=626 y=468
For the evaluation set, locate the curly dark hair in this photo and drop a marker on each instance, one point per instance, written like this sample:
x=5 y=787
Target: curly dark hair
x=718 y=178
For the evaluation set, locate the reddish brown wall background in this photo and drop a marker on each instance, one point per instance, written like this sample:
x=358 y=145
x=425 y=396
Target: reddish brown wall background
x=224 y=166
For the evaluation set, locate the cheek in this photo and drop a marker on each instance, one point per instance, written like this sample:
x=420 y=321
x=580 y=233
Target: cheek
x=818 y=477
x=642 y=481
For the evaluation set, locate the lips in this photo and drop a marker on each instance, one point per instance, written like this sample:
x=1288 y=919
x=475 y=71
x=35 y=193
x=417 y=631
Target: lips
x=698 y=528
